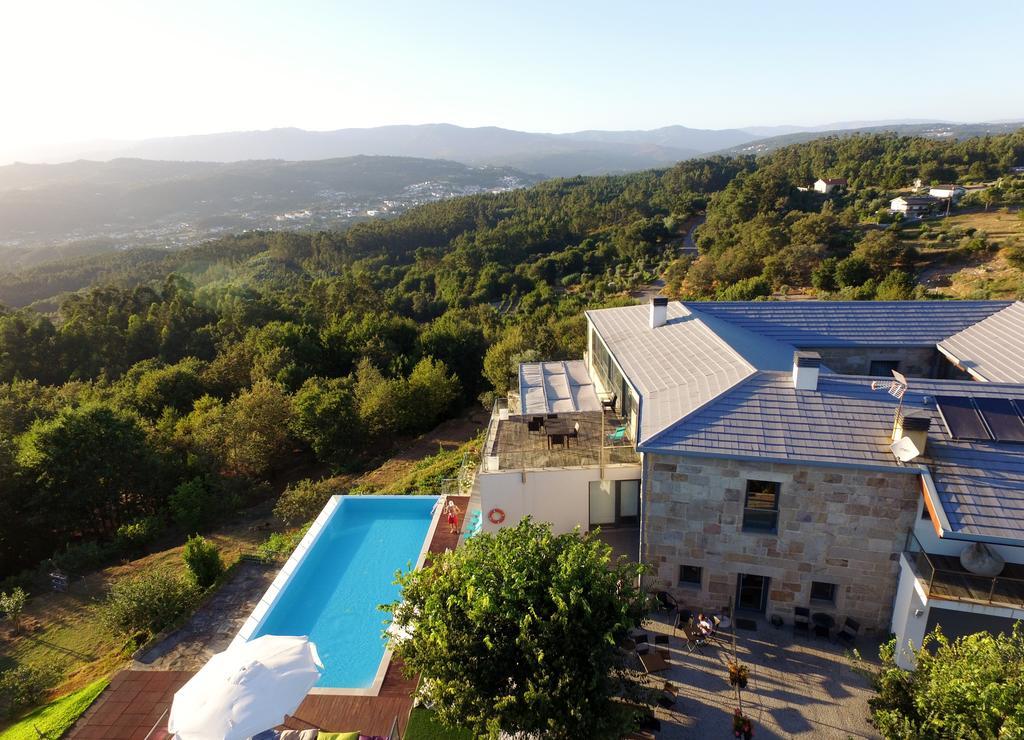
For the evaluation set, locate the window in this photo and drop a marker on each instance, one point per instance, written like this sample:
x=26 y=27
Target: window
x=821 y=591
x=761 y=509
x=690 y=575
x=883 y=368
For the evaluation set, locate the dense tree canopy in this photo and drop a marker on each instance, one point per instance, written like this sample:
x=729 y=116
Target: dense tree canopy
x=214 y=366
x=970 y=687
x=516 y=632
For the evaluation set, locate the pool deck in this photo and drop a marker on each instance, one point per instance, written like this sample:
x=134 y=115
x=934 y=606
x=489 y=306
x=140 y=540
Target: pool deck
x=137 y=700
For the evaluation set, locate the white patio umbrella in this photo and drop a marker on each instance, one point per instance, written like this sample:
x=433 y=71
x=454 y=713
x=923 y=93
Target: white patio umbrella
x=247 y=689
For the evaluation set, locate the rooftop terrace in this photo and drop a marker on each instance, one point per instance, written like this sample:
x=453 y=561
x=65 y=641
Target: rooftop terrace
x=512 y=445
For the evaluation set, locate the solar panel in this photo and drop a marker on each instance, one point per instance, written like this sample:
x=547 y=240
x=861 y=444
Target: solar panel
x=962 y=419
x=1002 y=418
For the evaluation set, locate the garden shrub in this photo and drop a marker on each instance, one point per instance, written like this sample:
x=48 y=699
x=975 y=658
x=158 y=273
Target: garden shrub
x=12 y=604
x=132 y=538
x=203 y=561
x=279 y=546
x=149 y=602
x=23 y=687
x=84 y=557
x=195 y=506
x=301 y=502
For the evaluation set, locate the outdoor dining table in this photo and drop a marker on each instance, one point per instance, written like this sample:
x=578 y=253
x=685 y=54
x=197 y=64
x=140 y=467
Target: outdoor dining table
x=556 y=430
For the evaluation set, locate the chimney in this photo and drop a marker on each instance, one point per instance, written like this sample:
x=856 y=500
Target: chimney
x=659 y=311
x=805 y=370
x=914 y=428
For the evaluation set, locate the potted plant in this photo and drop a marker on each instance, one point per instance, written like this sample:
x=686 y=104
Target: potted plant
x=742 y=726
x=738 y=674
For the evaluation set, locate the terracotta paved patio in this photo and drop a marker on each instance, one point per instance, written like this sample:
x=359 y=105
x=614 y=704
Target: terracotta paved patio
x=137 y=699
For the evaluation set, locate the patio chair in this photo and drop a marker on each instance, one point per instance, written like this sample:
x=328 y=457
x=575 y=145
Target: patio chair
x=573 y=434
x=618 y=435
x=668 y=697
x=694 y=640
x=608 y=404
x=661 y=644
x=848 y=634
x=667 y=601
x=535 y=424
x=802 y=621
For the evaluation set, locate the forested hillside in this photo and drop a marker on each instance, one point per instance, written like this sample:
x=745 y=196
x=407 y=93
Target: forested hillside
x=166 y=393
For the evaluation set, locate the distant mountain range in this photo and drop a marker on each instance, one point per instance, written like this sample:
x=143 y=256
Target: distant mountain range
x=550 y=155
x=132 y=201
x=929 y=129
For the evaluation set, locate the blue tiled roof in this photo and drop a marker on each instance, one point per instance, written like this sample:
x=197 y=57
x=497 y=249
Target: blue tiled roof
x=853 y=323
x=980 y=484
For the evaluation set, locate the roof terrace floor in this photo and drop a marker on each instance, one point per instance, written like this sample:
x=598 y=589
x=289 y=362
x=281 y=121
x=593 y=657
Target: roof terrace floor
x=517 y=448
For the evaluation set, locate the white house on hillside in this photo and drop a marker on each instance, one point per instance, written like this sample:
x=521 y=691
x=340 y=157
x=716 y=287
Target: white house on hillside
x=912 y=205
x=829 y=184
x=942 y=192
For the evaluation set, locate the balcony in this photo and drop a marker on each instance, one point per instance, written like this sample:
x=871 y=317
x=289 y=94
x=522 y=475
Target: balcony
x=944 y=578
x=511 y=445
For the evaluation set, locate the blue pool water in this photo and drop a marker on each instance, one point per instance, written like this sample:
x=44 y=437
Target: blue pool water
x=349 y=570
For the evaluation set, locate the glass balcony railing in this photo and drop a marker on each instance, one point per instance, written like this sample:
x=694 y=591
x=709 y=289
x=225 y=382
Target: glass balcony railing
x=944 y=578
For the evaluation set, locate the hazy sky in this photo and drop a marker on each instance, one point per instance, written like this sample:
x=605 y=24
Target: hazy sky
x=78 y=71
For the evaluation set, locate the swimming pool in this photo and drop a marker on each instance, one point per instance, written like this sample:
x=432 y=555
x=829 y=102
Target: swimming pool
x=343 y=568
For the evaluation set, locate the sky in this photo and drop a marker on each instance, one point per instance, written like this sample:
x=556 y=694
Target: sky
x=111 y=70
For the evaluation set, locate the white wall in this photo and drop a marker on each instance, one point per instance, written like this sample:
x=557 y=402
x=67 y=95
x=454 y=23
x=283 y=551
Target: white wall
x=924 y=530
x=906 y=625
x=560 y=496
x=910 y=628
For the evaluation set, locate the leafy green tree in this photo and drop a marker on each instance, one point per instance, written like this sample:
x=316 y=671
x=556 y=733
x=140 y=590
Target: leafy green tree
x=195 y=505
x=852 y=271
x=432 y=393
x=897 y=286
x=153 y=387
x=202 y=560
x=92 y=470
x=970 y=687
x=746 y=290
x=516 y=632
x=327 y=418
x=301 y=502
x=12 y=604
x=881 y=251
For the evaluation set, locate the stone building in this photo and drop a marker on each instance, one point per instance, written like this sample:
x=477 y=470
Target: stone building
x=834 y=457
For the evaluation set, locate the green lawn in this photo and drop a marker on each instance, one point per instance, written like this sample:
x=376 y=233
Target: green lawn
x=423 y=725
x=54 y=719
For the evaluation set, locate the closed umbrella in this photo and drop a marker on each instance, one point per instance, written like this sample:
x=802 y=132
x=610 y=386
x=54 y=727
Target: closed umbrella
x=247 y=689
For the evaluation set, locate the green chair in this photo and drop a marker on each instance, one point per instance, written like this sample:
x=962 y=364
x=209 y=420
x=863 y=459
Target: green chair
x=618 y=435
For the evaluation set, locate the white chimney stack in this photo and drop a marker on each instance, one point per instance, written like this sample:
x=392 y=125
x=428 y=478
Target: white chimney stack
x=805 y=370
x=659 y=311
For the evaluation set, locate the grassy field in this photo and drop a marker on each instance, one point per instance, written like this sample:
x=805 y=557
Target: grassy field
x=55 y=718
x=948 y=266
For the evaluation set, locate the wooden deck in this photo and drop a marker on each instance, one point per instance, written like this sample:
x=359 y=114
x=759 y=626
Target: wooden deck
x=135 y=701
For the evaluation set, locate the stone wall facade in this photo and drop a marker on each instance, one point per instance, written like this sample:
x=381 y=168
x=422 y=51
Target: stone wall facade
x=844 y=526
x=915 y=362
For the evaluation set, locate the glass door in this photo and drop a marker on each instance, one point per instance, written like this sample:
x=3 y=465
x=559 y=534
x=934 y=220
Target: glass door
x=629 y=503
x=752 y=592
x=602 y=503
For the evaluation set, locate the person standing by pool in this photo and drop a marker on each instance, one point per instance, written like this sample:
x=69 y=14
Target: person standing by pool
x=453 y=517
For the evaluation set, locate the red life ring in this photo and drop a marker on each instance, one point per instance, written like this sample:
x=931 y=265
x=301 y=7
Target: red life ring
x=496 y=516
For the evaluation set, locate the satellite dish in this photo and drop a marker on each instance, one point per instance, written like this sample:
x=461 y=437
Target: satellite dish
x=904 y=449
